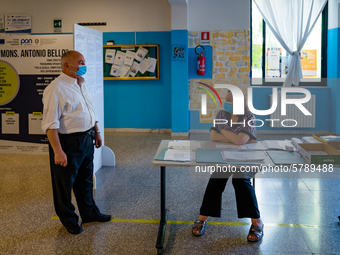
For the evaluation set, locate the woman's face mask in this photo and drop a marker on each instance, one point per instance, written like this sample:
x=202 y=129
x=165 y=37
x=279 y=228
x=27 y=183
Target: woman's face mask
x=228 y=107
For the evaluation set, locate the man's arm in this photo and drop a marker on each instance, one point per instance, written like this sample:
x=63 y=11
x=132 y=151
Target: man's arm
x=60 y=157
x=98 y=139
x=218 y=137
x=238 y=139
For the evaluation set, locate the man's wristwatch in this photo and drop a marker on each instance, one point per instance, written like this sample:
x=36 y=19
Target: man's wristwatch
x=97 y=131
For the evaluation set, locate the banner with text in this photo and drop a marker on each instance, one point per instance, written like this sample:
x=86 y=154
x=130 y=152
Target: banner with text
x=28 y=63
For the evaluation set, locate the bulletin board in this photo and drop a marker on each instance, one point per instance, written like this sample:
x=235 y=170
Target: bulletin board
x=131 y=62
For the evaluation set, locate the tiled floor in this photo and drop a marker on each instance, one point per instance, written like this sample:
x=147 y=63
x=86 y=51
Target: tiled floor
x=300 y=214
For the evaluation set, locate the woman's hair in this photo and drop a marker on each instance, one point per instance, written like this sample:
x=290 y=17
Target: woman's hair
x=246 y=108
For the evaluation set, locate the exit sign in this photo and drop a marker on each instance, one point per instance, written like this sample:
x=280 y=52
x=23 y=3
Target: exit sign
x=57 y=25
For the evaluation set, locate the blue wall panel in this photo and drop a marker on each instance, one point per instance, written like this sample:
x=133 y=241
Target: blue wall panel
x=333 y=73
x=140 y=103
x=179 y=86
x=119 y=37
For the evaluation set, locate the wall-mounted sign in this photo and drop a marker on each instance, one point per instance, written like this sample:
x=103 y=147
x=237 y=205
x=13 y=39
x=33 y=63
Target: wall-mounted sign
x=2 y=24
x=205 y=38
x=57 y=26
x=20 y=23
x=178 y=52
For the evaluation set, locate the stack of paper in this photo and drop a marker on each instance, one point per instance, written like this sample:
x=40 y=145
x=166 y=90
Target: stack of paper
x=184 y=145
x=228 y=146
x=296 y=141
x=310 y=139
x=246 y=156
x=253 y=146
x=274 y=145
x=177 y=155
x=328 y=138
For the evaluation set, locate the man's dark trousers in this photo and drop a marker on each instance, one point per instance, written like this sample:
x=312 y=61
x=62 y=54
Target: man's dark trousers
x=78 y=174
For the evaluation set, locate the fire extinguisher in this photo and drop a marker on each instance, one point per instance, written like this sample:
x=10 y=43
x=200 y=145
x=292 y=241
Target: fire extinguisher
x=200 y=61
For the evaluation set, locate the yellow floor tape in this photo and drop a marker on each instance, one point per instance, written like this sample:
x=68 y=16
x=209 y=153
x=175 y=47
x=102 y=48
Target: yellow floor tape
x=208 y=223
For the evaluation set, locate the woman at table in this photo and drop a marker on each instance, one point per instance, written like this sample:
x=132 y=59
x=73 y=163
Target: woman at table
x=246 y=201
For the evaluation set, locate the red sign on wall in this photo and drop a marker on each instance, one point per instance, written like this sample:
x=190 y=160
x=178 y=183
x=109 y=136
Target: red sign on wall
x=205 y=38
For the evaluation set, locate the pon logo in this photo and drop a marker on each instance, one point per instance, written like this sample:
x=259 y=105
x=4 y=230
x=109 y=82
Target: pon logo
x=238 y=100
x=26 y=42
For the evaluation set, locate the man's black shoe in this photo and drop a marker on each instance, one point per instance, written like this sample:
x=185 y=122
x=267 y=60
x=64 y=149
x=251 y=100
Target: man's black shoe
x=101 y=218
x=75 y=230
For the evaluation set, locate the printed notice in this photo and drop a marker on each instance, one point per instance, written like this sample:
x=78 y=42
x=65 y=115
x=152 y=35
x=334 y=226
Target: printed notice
x=124 y=70
x=114 y=71
x=10 y=123
x=153 y=63
x=143 y=66
x=119 y=59
x=140 y=54
x=34 y=123
x=134 y=69
x=129 y=58
x=110 y=56
x=274 y=59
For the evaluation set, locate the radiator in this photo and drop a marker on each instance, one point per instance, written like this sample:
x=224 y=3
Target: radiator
x=294 y=113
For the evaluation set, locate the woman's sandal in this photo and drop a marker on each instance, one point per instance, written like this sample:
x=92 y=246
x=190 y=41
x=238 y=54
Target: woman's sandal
x=258 y=233
x=199 y=224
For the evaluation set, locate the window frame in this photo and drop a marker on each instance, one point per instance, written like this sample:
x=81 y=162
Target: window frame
x=324 y=30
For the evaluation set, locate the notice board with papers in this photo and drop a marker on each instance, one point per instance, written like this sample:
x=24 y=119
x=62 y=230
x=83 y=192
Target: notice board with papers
x=131 y=62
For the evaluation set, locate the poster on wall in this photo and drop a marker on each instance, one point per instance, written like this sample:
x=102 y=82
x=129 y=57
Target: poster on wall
x=273 y=62
x=20 y=23
x=308 y=63
x=2 y=24
x=27 y=65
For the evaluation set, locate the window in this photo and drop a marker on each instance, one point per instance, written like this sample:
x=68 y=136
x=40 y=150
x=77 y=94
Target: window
x=269 y=60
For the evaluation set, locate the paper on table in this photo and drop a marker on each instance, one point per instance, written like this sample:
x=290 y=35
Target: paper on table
x=153 y=63
x=309 y=139
x=180 y=145
x=253 y=146
x=251 y=156
x=177 y=155
x=110 y=56
x=119 y=59
x=143 y=66
x=140 y=54
x=129 y=56
x=295 y=141
x=227 y=146
x=273 y=145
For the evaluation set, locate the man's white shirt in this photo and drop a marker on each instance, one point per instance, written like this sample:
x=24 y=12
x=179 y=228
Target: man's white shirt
x=68 y=106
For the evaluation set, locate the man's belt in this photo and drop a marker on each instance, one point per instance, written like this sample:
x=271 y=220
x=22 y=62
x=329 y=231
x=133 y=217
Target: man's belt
x=87 y=132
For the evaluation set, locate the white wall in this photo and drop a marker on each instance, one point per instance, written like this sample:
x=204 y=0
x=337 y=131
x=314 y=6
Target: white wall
x=120 y=15
x=219 y=15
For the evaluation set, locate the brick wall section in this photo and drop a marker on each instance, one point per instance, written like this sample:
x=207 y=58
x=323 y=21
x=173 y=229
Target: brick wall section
x=231 y=63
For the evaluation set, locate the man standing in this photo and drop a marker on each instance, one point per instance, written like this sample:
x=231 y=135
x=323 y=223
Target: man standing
x=70 y=124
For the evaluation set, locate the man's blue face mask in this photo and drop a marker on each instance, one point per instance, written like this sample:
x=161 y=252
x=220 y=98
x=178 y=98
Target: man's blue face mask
x=82 y=69
x=228 y=107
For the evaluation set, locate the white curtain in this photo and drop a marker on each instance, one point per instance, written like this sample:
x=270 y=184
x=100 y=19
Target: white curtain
x=291 y=21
